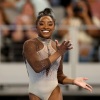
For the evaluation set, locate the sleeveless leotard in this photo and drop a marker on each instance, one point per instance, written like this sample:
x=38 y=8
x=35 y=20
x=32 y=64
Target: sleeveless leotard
x=41 y=84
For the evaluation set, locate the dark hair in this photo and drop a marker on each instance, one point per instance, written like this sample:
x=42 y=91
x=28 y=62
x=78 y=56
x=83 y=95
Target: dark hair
x=45 y=12
x=88 y=7
x=65 y=3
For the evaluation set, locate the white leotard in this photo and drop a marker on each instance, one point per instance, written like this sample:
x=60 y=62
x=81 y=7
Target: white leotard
x=40 y=84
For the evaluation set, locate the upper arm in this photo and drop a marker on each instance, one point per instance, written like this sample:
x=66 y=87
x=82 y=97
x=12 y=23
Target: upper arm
x=29 y=51
x=30 y=54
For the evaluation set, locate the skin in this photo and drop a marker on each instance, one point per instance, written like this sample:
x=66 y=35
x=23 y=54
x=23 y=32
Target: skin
x=28 y=9
x=46 y=23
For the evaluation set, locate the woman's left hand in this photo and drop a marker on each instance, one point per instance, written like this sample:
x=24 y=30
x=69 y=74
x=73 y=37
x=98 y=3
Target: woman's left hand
x=80 y=81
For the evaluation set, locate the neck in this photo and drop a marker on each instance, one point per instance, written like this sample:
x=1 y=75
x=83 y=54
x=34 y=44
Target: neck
x=44 y=40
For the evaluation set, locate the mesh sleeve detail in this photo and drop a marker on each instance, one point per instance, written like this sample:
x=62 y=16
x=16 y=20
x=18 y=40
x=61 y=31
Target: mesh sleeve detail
x=30 y=54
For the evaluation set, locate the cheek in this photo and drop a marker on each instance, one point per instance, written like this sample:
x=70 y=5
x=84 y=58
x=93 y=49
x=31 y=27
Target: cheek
x=53 y=27
x=39 y=26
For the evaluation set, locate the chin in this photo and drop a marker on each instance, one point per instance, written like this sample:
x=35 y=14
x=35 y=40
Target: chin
x=46 y=36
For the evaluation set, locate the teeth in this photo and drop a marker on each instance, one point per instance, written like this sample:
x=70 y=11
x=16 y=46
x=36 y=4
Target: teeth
x=45 y=31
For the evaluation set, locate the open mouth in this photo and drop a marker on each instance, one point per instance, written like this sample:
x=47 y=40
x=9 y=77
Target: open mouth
x=45 y=31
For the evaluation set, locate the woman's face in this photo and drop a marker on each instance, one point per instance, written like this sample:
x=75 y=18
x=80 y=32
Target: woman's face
x=69 y=11
x=28 y=10
x=45 y=27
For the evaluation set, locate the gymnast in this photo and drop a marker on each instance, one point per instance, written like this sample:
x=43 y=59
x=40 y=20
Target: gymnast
x=44 y=61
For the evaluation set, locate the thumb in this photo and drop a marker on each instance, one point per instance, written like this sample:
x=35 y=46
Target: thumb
x=85 y=78
x=56 y=43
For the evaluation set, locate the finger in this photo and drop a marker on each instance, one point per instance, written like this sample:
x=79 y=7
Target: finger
x=69 y=45
x=85 y=78
x=66 y=43
x=89 y=86
x=69 y=48
x=56 y=42
x=86 y=87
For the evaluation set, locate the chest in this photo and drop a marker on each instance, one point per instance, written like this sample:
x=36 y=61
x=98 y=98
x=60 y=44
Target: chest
x=45 y=52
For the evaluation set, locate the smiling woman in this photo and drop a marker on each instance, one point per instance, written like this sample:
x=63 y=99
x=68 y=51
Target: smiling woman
x=46 y=24
x=45 y=27
x=44 y=61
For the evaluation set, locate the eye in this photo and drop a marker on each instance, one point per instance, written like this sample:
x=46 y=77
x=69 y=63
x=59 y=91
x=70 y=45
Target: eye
x=41 y=24
x=50 y=24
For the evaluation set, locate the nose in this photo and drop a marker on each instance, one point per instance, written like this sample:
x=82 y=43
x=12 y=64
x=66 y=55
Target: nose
x=45 y=26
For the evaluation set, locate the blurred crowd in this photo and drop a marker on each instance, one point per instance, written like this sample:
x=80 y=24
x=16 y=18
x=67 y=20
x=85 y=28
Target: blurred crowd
x=17 y=24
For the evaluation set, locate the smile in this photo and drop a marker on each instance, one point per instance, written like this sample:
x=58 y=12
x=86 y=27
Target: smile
x=45 y=31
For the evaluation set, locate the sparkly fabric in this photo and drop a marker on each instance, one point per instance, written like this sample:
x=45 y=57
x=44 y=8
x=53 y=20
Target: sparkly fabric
x=31 y=52
x=43 y=75
x=30 y=49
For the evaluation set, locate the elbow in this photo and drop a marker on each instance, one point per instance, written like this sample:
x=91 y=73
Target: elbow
x=61 y=78
x=37 y=69
x=39 y=66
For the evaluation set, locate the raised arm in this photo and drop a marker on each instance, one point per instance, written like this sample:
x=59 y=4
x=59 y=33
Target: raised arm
x=30 y=53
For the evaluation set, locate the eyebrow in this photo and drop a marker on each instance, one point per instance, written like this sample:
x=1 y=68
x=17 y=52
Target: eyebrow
x=48 y=21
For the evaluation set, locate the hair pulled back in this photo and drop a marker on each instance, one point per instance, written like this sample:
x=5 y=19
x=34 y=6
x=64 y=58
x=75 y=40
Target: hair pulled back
x=45 y=12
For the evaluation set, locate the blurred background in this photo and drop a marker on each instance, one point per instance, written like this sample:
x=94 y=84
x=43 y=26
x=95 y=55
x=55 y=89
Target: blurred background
x=78 y=20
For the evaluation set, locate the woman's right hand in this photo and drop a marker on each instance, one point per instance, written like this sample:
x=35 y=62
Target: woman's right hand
x=64 y=46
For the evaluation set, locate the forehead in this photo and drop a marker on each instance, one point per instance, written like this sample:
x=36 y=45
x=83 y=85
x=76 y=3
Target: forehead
x=46 y=18
x=81 y=2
